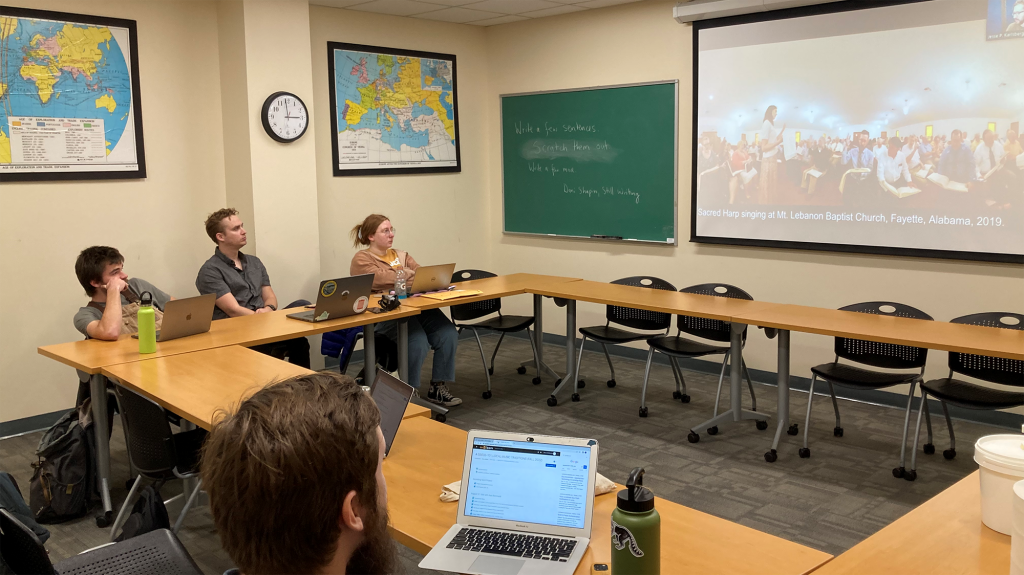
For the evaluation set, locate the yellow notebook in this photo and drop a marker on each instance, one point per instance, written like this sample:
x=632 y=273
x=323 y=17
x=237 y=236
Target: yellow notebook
x=455 y=293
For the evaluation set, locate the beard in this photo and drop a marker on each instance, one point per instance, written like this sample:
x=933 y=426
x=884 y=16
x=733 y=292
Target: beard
x=377 y=555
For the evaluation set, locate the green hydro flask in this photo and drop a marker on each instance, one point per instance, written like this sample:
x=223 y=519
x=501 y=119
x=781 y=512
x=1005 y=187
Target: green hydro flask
x=636 y=530
x=147 y=324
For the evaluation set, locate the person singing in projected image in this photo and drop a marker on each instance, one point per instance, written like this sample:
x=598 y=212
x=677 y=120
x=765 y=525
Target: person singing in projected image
x=771 y=143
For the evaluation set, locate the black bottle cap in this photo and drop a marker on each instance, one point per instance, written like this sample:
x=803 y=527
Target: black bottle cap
x=635 y=497
x=146 y=299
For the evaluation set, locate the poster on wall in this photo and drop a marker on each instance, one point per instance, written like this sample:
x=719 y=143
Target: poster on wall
x=392 y=111
x=69 y=97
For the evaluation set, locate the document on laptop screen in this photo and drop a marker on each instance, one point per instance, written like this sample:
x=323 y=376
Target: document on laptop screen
x=528 y=482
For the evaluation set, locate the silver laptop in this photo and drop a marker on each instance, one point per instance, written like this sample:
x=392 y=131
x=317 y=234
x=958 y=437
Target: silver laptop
x=392 y=397
x=185 y=317
x=533 y=491
x=339 y=297
x=432 y=278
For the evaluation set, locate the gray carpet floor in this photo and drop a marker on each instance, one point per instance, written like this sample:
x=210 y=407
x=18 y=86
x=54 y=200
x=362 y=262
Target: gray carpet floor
x=838 y=497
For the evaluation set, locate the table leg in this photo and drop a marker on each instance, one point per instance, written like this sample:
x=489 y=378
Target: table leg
x=736 y=411
x=570 y=352
x=783 y=385
x=538 y=338
x=189 y=485
x=403 y=350
x=369 y=355
x=98 y=392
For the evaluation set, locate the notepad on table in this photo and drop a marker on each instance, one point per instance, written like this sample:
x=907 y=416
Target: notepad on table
x=453 y=294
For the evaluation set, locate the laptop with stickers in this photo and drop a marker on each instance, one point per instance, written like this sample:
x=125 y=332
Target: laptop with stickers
x=339 y=297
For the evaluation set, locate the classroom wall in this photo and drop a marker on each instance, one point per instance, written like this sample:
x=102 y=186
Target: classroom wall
x=157 y=223
x=440 y=218
x=641 y=42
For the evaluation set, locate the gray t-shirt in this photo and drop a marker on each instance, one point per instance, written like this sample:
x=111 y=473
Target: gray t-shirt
x=89 y=314
x=219 y=276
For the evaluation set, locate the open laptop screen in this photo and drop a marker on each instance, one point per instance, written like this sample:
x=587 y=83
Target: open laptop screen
x=528 y=482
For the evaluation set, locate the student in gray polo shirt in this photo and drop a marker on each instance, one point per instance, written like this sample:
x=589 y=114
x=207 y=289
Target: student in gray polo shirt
x=242 y=284
x=100 y=270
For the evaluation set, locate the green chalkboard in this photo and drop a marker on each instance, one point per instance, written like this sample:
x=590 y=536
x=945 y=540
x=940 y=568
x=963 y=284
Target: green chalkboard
x=591 y=162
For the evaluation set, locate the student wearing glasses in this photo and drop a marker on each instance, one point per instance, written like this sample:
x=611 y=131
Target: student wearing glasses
x=431 y=329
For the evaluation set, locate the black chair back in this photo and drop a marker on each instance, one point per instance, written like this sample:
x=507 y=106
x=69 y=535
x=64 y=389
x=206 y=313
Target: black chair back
x=477 y=309
x=994 y=369
x=154 y=553
x=149 y=438
x=639 y=318
x=20 y=549
x=713 y=329
x=884 y=355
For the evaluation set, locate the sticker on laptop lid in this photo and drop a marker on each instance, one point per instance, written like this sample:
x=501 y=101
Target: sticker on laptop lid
x=360 y=304
x=322 y=316
x=328 y=288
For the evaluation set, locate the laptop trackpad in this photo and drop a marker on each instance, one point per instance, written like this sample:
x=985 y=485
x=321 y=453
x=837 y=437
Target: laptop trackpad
x=496 y=565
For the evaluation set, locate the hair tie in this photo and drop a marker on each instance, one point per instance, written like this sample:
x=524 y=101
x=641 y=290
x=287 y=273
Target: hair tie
x=359 y=233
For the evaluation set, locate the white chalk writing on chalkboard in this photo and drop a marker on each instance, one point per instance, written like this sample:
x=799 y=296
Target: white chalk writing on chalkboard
x=579 y=150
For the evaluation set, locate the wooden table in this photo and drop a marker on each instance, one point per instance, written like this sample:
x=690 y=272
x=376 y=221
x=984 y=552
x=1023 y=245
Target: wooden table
x=944 y=535
x=426 y=455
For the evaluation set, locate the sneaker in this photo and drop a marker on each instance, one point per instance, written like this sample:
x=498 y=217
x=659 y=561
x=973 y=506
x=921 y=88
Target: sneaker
x=440 y=395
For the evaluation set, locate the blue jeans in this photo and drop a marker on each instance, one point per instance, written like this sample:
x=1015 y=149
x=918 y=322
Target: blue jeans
x=429 y=330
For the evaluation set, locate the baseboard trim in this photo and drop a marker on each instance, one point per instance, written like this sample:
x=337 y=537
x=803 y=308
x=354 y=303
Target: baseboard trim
x=29 y=424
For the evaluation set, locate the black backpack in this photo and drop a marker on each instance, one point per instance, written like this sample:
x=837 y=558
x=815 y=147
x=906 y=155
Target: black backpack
x=63 y=479
x=148 y=514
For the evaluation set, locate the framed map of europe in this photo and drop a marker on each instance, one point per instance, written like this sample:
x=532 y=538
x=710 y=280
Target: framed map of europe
x=69 y=97
x=392 y=111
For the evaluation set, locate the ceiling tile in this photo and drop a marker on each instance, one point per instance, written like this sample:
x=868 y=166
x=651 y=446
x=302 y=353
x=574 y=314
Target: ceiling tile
x=603 y=3
x=458 y=15
x=449 y=2
x=552 y=11
x=337 y=3
x=396 y=7
x=502 y=20
x=513 y=6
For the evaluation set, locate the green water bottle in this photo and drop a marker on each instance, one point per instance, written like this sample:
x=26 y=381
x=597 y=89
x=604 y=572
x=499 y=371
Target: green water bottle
x=636 y=530
x=147 y=324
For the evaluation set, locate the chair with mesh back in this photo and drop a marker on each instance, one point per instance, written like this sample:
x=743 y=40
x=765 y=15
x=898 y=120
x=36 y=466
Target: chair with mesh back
x=626 y=316
x=500 y=323
x=997 y=370
x=874 y=354
x=677 y=346
x=154 y=553
x=155 y=452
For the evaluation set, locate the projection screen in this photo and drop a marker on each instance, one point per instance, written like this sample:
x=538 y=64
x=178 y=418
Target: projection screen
x=890 y=129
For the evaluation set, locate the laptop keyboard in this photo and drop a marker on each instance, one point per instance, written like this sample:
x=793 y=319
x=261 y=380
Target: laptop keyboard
x=513 y=544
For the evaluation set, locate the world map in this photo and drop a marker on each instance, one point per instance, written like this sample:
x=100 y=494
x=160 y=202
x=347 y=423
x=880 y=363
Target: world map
x=55 y=69
x=394 y=111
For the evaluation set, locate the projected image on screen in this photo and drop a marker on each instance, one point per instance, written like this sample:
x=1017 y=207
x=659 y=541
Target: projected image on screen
x=871 y=130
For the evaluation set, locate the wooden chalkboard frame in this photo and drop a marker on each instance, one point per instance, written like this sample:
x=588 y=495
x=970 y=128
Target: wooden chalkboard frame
x=675 y=162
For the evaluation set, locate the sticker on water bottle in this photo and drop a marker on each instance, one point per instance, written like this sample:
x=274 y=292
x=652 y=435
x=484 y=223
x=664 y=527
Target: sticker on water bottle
x=622 y=536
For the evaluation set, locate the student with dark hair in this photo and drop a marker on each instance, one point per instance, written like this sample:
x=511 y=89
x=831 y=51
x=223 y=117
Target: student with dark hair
x=430 y=330
x=114 y=297
x=295 y=480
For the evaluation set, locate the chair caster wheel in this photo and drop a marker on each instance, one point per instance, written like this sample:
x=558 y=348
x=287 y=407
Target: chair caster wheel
x=558 y=382
x=693 y=437
x=838 y=432
x=490 y=371
x=771 y=456
x=929 y=449
x=804 y=453
x=949 y=454
x=910 y=475
x=521 y=370
x=761 y=424
x=611 y=383
x=105 y=520
x=487 y=395
x=713 y=430
x=685 y=398
x=440 y=418
x=677 y=395
x=581 y=384
x=793 y=429
x=536 y=381
x=898 y=472
x=643 y=412
x=552 y=401
x=128 y=484
x=575 y=397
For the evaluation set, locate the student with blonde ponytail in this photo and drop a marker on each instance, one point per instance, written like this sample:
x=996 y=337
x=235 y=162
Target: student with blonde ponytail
x=429 y=330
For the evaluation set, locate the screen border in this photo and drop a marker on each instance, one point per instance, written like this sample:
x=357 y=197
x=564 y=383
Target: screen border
x=814 y=10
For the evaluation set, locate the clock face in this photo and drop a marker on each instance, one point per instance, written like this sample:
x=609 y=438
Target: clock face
x=284 y=117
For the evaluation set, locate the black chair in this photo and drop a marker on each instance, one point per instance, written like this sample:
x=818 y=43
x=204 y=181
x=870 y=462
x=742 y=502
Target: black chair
x=676 y=346
x=874 y=354
x=155 y=452
x=629 y=317
x=1007 y=372
x=501 y=323
x=153 y=553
